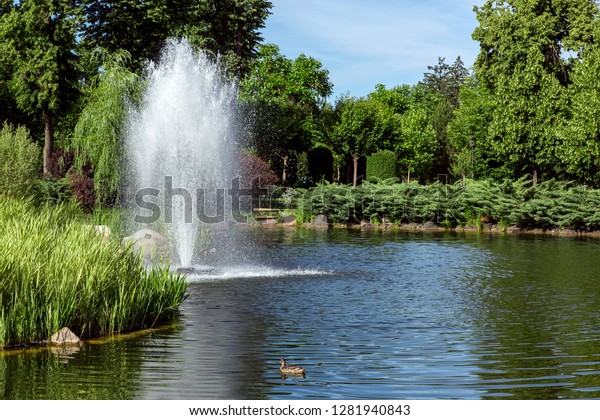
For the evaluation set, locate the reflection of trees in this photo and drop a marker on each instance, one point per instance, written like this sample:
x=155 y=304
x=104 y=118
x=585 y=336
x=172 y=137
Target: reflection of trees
x=536 y=317
x=107 y=371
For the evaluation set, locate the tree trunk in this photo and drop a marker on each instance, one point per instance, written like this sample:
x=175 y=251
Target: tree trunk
x=355 y=176
x=48 y=142
x=284 y=173
x=408 y=176
x=535 y=176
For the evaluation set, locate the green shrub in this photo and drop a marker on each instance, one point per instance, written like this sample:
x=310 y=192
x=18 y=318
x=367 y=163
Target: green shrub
x=467 y=202
x=55 y=271
x=382 y=165
x=19 y=162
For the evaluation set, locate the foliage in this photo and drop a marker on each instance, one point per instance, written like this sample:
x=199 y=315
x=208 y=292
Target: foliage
x=19 y=162
x=227 y=28
x=467 y=132
x=524 y=61
x=97 y=139
x=56 y=272
x=363 y=128
x=255 y=171
x=382 y=165
x=447 y=80
x=552 y=204
x=580 y=150
x=38 y=39
x=284 y=98
x=418 y=145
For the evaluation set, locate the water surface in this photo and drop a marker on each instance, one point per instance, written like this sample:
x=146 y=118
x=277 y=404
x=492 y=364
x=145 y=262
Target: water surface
x=368 y=314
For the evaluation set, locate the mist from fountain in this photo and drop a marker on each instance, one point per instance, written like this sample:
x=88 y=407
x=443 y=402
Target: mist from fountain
x=180 y=141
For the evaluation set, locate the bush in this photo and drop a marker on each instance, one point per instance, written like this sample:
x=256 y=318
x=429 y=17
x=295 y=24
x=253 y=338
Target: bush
x=551 y=204
x=382 y=165
x=19 y=162
x=56 y=272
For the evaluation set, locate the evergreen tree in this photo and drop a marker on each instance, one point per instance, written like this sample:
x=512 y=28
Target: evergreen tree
x=38 y=39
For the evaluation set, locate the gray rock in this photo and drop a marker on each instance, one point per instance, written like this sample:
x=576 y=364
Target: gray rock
x=430 y=225
x=321 y=220
x=288 y=220
x=568 y=232
x=65 y=337
x=513 y=229
x=153 y=246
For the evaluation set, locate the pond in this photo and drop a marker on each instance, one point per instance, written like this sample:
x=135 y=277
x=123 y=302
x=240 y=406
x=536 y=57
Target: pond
x=368 y=314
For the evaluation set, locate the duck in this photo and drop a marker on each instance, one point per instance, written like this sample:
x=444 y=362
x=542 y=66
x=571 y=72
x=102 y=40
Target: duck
x=291 y=370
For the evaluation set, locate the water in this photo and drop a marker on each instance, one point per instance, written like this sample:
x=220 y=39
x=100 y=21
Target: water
x=368 y=314
x=179 y=144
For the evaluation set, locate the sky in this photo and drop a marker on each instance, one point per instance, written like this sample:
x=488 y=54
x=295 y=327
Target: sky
x=366 y=42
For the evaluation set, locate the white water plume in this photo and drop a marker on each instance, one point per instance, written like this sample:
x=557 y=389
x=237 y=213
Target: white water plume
x=182 y=137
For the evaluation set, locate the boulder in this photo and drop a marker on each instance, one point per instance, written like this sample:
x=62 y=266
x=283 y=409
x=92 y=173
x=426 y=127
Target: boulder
x=321 y=220
x=288 y=220
x=513 y=229
x=430 y=225
x=153 y=246
x=65 y=337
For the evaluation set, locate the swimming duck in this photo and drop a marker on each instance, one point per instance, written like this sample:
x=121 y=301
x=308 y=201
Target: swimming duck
x=290 y=370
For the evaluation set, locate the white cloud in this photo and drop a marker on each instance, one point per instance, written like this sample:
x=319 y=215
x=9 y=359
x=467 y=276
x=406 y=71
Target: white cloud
x=363 y=43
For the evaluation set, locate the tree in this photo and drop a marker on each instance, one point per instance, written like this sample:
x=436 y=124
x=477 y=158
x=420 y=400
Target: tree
x=523 y=61
x=38 y=38
x=580 y=150
x=417 y=145
x=446 y=80
x=467 y=133
x=284 y=99
x=362 y=129
x=227 y=28
x=97 y=139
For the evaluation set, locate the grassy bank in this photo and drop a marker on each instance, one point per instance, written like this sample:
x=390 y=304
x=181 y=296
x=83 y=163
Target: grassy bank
x=548 y=205
x=55 y=272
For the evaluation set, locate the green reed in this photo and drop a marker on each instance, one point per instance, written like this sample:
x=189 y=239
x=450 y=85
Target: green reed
x=56 y=272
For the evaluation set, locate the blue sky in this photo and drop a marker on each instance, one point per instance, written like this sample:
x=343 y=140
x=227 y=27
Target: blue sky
x=366 y=42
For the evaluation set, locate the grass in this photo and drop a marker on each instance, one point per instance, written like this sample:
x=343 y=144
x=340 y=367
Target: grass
x=56 y=272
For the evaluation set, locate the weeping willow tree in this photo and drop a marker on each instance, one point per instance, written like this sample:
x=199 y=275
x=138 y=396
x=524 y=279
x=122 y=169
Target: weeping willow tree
x=97 y=139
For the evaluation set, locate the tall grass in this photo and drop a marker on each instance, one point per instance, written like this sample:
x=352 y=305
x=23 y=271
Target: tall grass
x=55 y=272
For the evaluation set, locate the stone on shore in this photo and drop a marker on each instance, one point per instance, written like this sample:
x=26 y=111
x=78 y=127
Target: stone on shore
x=321 y=220
x=429 y=225
x=65 y=337
x=153 y=246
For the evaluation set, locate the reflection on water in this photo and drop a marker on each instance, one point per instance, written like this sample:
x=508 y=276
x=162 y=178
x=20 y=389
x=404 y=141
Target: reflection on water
x=368 y=314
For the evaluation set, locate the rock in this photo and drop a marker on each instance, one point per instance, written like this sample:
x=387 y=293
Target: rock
x=430 y=225
x=568 y=232
x=153 y=246
x=513 y=229
x=412 y=226
x=366 y=224
x=321 y=220
x=288 y=220
x=103 y=231
x=65 y=337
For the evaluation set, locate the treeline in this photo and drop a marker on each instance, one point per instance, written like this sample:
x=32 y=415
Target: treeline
x=529 y=106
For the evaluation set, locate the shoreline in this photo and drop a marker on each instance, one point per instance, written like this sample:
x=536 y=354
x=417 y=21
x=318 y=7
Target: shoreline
x=431 y=227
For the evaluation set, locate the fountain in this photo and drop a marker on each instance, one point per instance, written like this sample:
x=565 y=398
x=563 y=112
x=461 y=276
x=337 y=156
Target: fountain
x=179 y=146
